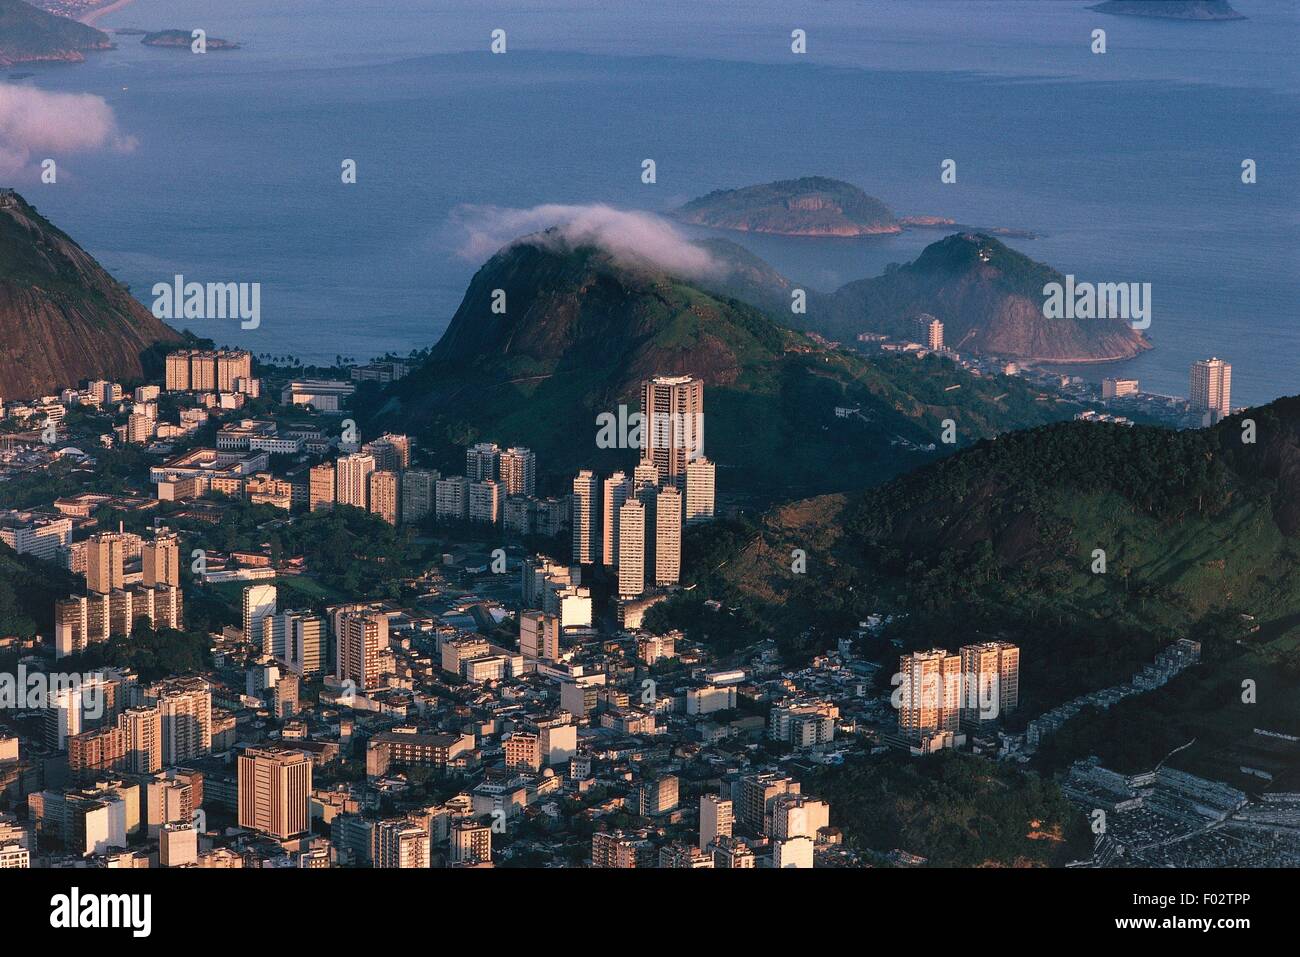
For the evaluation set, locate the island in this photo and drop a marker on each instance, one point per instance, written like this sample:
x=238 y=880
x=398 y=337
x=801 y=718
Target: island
x=814 y=206
x=184 y=38
x=1170 y=9
x=810 y=206
x=951 y=225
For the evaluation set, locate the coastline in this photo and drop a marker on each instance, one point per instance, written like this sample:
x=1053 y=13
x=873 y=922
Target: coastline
x=90 y=18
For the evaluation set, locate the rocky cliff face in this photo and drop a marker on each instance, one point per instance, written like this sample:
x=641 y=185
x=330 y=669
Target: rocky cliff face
x=62 y=317
x=990 y=299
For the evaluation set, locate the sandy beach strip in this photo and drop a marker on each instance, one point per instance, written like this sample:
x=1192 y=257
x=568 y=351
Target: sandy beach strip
x=90 y=18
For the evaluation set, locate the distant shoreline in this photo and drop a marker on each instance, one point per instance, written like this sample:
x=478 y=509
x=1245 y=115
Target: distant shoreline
x=89 y=18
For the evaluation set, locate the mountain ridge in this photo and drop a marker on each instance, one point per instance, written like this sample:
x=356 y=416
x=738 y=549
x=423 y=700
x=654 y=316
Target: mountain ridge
x=63 y=318
x=1004 y=535
x=990 y=299
x=581 y=331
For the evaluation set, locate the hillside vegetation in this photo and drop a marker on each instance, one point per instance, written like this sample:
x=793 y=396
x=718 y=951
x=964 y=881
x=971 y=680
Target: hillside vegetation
x=582 y=332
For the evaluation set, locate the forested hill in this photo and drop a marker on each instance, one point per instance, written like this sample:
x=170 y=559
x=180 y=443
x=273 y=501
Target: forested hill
x=1196 y=528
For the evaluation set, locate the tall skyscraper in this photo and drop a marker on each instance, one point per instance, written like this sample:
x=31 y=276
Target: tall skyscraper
x=757 y=793
x=352 y=481
x=392 y=453
x=539 y=635
x=645 y=475
x=631 y=548
x=362 y=636
x=259 y=603
x=991 y=680
x=298 y=640
x=229 y=370
x=320 y=488
x=617 y=489
x=1212 y=387
x=384 y=495
x=930 y=693
x=586 y=518
x=930 y=330
x=73 y=710
x=673 y=407
x=161 y=561
x=648 y=496
x=401 y=844
x=171 y=798
x=518 y=468
x=699 y=491
x=142 y=729
x=105 y=556
x=715 y=819
x=485 y=502
x=470 y=843
x=418 y=494
x=233 y=367
x=177 y=376
x=481 y=462
x=275 y=791
x=451 y=499
x=83 y=619
x=185 y=707
x=668 y=536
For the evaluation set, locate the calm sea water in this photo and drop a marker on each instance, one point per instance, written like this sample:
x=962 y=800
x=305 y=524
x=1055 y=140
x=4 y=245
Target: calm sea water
x=1127 y=163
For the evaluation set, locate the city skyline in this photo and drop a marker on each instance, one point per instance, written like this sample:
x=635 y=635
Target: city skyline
x=660 y=437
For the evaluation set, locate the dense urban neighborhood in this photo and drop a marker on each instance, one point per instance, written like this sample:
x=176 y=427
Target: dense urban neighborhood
x=263 y=639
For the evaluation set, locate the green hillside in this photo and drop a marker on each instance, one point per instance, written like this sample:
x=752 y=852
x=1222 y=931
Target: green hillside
x=581 y=333
x=1201 y=534
x=28 y=590
x=953 y=810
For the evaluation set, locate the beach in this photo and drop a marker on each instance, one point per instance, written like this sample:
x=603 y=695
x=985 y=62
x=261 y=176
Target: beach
x=89 y=19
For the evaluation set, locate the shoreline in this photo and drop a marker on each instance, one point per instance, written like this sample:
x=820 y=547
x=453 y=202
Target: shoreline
x=89 y=19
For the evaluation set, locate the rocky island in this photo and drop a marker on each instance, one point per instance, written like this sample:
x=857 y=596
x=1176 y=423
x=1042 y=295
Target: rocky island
x=814 y=206
x=184 y=38
x=810 y=206
x=951 y=225
x=1171 y=9
x=29 y=35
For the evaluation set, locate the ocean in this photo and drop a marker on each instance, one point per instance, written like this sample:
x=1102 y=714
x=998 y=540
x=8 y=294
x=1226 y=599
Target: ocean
x=1127 y=164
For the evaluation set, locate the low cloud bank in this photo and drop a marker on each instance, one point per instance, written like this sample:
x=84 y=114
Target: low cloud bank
x=36 y=124
x=633 y=238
